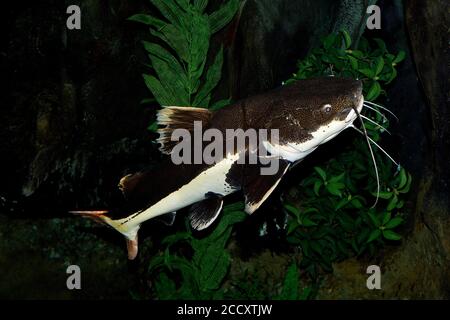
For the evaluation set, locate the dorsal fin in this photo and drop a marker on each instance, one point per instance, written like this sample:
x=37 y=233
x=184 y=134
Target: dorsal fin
x=178 y=118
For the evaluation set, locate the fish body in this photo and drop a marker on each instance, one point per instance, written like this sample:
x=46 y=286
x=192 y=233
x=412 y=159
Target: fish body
x=305 y=114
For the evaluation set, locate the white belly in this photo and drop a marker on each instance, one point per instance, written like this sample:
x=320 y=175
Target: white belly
x=210 y=180
x=297 y=151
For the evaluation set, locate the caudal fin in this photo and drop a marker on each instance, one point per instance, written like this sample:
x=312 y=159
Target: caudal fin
x=130 y=233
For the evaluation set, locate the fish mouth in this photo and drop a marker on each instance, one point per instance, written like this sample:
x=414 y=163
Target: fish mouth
x=352 y=115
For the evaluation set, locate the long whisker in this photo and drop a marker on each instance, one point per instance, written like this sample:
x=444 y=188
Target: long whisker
x=383 y=108
x=371 y=154
x=387 y=154
x=378 y=146
x=379 y=125
x=377 y=111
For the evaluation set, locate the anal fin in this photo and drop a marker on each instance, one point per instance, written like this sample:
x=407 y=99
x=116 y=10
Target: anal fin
x=202 y=214
x=168 y=219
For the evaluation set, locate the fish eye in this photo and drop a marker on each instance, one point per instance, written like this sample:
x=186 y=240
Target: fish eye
x=326 y=108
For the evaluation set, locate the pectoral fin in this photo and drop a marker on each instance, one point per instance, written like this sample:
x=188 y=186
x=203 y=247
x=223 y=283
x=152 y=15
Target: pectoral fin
x=257 y=188
x=202 y=214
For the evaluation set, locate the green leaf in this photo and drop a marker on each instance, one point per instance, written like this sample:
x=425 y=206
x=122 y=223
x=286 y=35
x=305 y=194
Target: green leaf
x=364 y=45
x=212 y=79
x=214 y=267
x=381 y=44
x=334 y=189
x=310 y=210
x=375 y=234
x=353 y=62
x=317 y=186
x=306 y=222
x=356 y=203
x=175 y=238
x=400 y=57
x=392 y=203
x=384 y=194
x=233 y=207
x=321 y=173
x=169 y=10
x=221 y=17
x=153 y=126
x=220 y=104
x=165 y=287
x=200 y=4
x=386 y=217
x=329 y=41
x=160 y=93
x=396 y=221
x=316 y=247
x=336 y=179
x=290 y=290
x=327 y=59
x=391 y=235
x=175 y=39
x=148 y=20
x=403 y=179
x=347 y=39
x=198 y=50
x=184 y=4
x=407 y=187
x=228 y=219
x=341 y=203
x=292 y=225
x=374 y=219
x=162 y=53
x=379 y=65
x=392 y=76
x=367 y=72
x=167 y=74
x=170 y=63
x=357 y=54
x=305 y=294
x=292 y=209
x=374 y=91
x=147 y=101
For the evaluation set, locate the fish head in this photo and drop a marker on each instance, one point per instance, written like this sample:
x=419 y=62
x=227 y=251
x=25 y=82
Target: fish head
x=323 y=102
x=314 y=111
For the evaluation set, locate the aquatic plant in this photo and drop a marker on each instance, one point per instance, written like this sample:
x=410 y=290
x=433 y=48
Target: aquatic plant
x=184 y=79
x=203 y=273
x=291 y=289
x=333 y=219
x=374 y=66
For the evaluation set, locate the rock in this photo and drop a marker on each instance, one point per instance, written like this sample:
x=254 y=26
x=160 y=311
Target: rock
x=420 y=267
x=72 y=123
x=273 y=35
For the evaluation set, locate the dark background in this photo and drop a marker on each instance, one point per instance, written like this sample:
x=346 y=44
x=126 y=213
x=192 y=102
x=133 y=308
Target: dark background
x=72 y=124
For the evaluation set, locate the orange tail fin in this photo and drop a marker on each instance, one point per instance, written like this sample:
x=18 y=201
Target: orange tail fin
x=100 y=217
